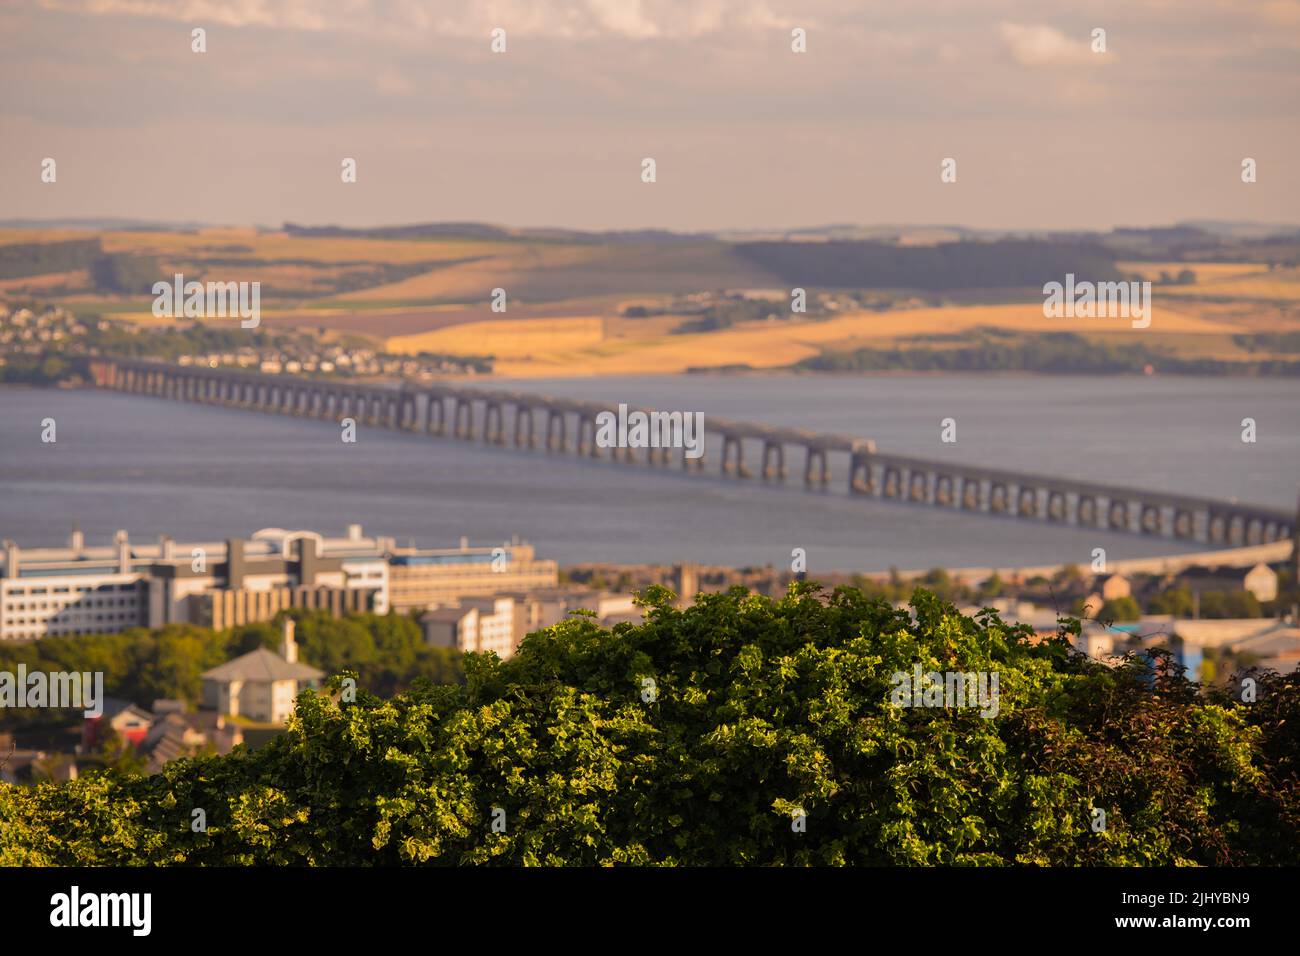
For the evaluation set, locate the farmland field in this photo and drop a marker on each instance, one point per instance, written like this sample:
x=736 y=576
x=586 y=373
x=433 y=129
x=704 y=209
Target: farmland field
x=700 y=301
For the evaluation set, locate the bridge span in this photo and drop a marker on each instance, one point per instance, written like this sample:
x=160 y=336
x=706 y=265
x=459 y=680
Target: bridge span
x=559 y=425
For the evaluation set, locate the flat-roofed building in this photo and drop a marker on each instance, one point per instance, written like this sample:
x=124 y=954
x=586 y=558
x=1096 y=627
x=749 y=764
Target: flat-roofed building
x=425 y=578
x=474 y=624
x=73 y=590
x=94 y=590
x=539 y=609
x=219 y=584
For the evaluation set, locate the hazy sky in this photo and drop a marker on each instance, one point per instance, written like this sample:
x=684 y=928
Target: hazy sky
x=745 y=132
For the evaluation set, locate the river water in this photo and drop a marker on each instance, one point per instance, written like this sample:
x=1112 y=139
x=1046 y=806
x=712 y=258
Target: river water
x=153 y=466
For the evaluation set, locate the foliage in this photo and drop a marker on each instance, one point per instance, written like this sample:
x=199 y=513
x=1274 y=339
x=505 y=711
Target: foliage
x=949 y=265
x=1054 y=352
x=1230 y=604
x=386 y=652
x=1120 y=609
x=22 y=259
x=126 y=273
x=696 y=736
x=1177 y=602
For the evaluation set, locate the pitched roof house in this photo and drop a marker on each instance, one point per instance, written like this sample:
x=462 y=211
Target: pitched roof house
x=260 y=685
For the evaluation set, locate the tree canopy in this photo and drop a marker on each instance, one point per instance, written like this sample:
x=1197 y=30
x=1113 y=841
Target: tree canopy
x=739 y=730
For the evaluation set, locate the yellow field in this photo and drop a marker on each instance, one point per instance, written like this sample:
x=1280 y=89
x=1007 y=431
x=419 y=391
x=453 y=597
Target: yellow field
x=49 y=280
x=1241 y=280
x=775 y=344
x=1279 y=285
x=517 y=339
x=1205 y=271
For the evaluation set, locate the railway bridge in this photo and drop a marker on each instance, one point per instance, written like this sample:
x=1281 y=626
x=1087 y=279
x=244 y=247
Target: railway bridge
x=742 y=450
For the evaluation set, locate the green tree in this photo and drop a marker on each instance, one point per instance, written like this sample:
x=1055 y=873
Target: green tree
x=1068 y=575
x=994 y=587
x=117 y=755
x=1230 y=604
x=1175 y=601
x=1120 y=609
x=697 y=736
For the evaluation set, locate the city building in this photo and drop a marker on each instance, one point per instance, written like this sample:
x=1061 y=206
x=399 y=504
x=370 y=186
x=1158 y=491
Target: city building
x=499 y=622
x=423 y=578
x=81 y=589
x=129 y=722
x=1269 y=643
x=1260 y=580
x=1107 y=587
x=73 y=590
x=177 y=732
x=473 y=624
x=535 y=610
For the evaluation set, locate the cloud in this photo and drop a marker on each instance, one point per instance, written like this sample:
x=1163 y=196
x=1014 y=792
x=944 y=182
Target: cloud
x=1041 y=45
x=569 y=19
x=392 y=83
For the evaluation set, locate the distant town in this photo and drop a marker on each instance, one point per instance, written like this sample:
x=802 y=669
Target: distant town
x=38 y=346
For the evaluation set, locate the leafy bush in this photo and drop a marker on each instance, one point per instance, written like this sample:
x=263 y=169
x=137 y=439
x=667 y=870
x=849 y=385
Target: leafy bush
x=698 y=735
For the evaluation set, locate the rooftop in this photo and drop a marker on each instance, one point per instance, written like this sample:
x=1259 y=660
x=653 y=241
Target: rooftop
x=261 y=665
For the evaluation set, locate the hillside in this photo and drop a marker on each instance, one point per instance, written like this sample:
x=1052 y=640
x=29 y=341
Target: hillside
x=1226 y=296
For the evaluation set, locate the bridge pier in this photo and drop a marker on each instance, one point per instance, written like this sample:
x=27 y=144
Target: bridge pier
x=436 y=420
x=1152 y=519
x=943 y=491
x=462 y=422
x=524 y=426
x=918 y=485
x=773 y=461
x=861 y=481
x=1254 y=531
x=999 y=498
x=556 y=431
x=494 y=429
x=816 y=470
x=733 y=447
x=1085 y=511
x=892 y=482
x=585 y=437
x=1027 y=503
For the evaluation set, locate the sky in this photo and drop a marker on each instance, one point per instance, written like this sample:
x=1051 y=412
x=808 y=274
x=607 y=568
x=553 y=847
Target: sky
x=745 y=132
